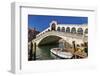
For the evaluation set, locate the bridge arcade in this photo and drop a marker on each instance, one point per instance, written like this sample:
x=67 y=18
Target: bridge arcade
x=81 y=29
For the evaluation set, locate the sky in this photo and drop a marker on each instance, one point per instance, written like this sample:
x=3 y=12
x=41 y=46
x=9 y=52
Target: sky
x=41 y=22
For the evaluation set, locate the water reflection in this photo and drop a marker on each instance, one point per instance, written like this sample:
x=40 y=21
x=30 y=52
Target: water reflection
x=43 y=52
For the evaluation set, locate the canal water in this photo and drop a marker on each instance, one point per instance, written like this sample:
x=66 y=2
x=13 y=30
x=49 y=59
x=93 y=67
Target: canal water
x=43 y=52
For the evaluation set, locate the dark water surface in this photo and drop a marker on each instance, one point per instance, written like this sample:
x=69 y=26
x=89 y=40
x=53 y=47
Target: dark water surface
x=43 y=52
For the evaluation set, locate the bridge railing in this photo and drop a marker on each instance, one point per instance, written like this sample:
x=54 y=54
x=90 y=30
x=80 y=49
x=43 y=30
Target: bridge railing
x=62 y=34
x=47 y=29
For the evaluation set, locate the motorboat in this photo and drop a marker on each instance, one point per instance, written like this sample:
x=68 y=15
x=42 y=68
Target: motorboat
x=60 y=53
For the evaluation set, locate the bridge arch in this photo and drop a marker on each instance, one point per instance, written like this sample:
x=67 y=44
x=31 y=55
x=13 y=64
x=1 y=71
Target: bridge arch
x=86 y=31
x=53 y=26
x=52 y=39
x=73 y=30
x=58 y=28
x=80 y=31
x=68 y=29
x=54 y=36
x=63 y=29
x=49 y=40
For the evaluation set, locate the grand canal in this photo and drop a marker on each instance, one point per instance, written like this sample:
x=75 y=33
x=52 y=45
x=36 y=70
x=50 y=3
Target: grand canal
x=43 y=52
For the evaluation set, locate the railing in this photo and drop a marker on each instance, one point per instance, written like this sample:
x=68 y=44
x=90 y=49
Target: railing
x=65 y=34
x=43 y=31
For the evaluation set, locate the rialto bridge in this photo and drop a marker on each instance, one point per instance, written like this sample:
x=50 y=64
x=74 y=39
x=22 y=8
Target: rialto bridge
x=67 y=32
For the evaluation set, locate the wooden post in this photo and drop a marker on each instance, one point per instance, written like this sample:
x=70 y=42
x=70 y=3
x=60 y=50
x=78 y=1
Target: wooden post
x=30 y=53
x=34 y=51
x=86 y=48
x=74 y=46
x=74 y=49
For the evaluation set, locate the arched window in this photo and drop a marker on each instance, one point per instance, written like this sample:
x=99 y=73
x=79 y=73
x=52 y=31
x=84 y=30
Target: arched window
x=73 y=30
x=86 y=31
x=80 y=31
x=48 y=29
x=63 y=29
x=58 y=28
x=53 y=26
x=68 y=29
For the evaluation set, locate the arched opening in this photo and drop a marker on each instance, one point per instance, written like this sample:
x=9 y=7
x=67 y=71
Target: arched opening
x=86 y=31
x=49 y=40
x=48 y=29
x=53 y=26
x=80 y=31
x=53 y=40
x=58 y=28
x=63 y=29
x=68 y=29
x=73 y=30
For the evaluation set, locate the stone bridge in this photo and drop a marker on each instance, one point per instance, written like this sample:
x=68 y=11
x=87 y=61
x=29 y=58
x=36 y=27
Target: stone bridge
x=54 y=36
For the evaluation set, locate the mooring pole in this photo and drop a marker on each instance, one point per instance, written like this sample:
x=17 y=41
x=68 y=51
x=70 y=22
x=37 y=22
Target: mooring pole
x=74 y=46
x=86 y=48
x=34 y=51
x=31 y=49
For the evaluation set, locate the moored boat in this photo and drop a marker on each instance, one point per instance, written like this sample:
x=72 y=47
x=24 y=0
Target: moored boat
x=60 y=53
